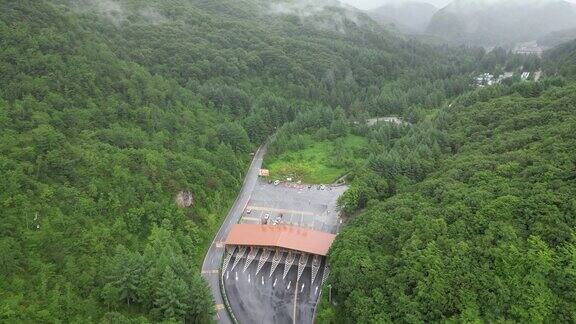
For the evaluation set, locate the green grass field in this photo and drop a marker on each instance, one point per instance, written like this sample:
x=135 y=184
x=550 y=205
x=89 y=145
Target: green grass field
x=317 y=163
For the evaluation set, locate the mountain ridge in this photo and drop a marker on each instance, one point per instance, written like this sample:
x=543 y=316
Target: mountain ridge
x=492 y=23
x=409 y=17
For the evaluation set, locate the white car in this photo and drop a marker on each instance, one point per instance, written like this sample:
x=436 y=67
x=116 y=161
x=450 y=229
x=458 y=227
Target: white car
x=277 y=182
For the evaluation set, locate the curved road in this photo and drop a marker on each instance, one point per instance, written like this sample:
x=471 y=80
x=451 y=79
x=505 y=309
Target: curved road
x=213 y=258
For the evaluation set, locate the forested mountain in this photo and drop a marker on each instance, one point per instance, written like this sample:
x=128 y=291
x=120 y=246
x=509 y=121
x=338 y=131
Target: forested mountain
x=556 y=38
x=495 y=23
x=562 y=60
x=110 y=109
x=407 y=16
x=469 y=216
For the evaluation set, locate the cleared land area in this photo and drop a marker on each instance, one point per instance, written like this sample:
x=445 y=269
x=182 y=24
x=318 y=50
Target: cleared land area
x=321 y=162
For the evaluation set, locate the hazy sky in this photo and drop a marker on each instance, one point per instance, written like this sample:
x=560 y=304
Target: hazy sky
x=369 y=4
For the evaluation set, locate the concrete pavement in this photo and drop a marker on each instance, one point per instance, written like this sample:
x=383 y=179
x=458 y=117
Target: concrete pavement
x=261 y=294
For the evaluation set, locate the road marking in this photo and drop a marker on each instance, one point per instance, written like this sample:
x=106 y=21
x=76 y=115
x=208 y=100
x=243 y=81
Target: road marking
x=283 y=211
x=262 y=280
x=209 y=271
x=295 y=300
x=316 y=291
x=227 y=273
x=289 y=283
x=302 y=289
x=220 y=244
x=236 y=275
x=248 y=277
x=274 y=284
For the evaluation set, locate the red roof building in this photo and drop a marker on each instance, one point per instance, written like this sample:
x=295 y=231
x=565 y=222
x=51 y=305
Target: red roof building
x=281 y=236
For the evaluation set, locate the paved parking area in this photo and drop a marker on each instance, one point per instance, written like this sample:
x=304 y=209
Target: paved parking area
x=299 y=205
x=259 y=295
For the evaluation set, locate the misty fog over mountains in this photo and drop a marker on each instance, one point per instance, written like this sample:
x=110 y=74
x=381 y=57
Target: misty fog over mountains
x=480 y=22
x=493 y=23
x=406 y=16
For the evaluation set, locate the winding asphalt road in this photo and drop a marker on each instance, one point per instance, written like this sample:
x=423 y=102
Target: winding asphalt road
x=213 y=258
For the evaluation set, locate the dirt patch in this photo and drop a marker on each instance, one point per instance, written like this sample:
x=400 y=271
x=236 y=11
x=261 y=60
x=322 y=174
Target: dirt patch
x=184 y=199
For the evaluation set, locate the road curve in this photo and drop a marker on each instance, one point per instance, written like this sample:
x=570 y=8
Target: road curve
x=212 y=260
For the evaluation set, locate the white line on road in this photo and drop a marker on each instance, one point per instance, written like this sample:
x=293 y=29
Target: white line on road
x=236 y=275
x=289 y=283
x=227 y=273
x=295 y=301
x=262 y=280
x=248 y=277
x=274 y=284
x=302 y=289
x=316 y=291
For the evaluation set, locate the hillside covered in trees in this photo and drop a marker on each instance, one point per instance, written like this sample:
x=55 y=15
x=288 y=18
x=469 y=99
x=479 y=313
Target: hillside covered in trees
x=109 y=109
x=562 y=60
x=469 y=216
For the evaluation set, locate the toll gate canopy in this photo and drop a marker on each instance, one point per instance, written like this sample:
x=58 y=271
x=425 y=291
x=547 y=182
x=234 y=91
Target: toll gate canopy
x=281 y=236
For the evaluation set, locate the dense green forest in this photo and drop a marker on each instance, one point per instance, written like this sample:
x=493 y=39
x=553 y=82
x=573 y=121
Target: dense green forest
x=93 y=150
x=469 y=216
x=562 y=60
x=109 y=109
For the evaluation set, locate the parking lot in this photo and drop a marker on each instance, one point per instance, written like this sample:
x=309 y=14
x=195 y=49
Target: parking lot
x=295 y=204
x=260 y=291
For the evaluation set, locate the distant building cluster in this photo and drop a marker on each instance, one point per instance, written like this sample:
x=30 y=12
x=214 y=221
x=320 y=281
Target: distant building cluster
x=391 y=120
x=487 y=79
x=529 y=48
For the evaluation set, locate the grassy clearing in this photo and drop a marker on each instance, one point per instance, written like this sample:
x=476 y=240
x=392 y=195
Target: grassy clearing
x=321 y=162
